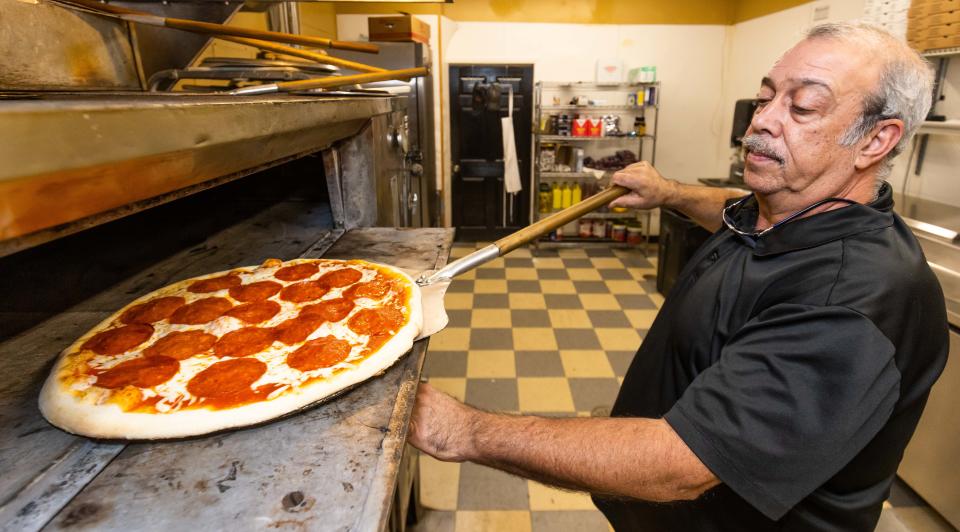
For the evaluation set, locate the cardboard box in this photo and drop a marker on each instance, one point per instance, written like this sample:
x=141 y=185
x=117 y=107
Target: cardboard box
x=946 y=41
x=933 y=32
x=932 y=8
x=403 y=28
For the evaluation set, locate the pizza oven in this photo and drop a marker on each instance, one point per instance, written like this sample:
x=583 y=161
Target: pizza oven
x=110 y=191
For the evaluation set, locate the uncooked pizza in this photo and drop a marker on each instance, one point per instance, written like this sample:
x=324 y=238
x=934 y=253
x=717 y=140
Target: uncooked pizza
x=233 y=348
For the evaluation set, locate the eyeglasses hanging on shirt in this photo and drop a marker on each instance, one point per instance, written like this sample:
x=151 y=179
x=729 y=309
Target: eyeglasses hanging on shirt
x=751 y=238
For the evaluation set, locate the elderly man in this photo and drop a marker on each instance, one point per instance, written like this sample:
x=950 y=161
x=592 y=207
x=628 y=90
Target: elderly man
x=786 y=371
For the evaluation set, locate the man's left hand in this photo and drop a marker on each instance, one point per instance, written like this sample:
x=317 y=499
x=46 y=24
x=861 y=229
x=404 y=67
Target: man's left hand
x=441 y=426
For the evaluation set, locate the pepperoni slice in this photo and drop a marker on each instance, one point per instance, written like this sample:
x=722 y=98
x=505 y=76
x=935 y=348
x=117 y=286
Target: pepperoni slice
x=255 y=291
x=119 y=340
x=152 y=311
x=215 y=283
x=332 y=310
x=376 y=321
x=296 y=330
x=181 y=345
x=296 y=272
x=339 y=278
x=144 y=372
x=227 y=380
x=243 y=342
x=320 y=353
x=256 y=312
x=303 y=291
x=374 y=289
x=201 y=311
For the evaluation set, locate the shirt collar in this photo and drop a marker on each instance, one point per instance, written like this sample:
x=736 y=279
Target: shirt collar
x=818 y=229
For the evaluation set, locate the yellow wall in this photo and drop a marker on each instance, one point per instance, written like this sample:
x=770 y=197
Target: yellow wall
x=750 y=9
x=585 y=11
x=318 y=19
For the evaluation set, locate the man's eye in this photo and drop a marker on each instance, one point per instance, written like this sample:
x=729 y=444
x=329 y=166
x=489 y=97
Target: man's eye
x=762 y=102
x=801 y=110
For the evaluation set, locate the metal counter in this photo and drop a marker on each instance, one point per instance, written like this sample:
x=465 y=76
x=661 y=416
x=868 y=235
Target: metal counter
x=928 y=464
x=332 y=467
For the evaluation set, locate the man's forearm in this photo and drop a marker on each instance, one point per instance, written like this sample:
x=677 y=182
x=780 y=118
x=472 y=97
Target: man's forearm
x=701 y=203
x=622 y=457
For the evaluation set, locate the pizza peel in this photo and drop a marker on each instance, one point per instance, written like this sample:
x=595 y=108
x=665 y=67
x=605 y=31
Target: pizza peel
x=434 y=283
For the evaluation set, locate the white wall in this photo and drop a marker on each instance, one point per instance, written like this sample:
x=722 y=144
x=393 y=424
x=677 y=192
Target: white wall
x=688 y=60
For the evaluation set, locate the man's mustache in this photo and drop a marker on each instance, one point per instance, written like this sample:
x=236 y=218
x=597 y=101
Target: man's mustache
x=759 y=145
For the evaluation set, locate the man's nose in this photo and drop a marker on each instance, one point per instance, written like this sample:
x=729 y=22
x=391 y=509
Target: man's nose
x=768 y=119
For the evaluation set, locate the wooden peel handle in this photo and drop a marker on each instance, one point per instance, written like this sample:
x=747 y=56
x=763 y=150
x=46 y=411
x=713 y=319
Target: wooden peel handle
x=571 y=213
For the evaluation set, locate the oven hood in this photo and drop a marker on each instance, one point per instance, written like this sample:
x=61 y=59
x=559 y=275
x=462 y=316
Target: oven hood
x=72 y=161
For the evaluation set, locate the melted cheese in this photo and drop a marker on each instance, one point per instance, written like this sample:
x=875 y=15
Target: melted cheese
x=173 y=394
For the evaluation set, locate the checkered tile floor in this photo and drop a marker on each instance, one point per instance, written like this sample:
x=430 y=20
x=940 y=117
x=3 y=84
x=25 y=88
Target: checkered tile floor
x=547 y=332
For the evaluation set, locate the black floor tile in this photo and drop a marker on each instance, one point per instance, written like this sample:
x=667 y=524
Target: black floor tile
x=493 y=394
x=491 y=301
x=529 y=318
x=445 y=364
x=592 y=393
x=591 y=287
x=491 y=273
x=614 y=274
x=608 y=318
x=523 y=287
x=576 y=339
x=600 y=252
x=461 y=286
x=459 y=317
x=552 y=273
x=634 y=301
x=518 y=263
x=562 y=301
x=620 y=361
x=491 y=339
x=538 y=364
x=483 y=488
x=577 y=263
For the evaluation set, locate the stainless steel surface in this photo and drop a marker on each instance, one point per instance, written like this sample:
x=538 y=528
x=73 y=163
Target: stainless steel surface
x=331 y=467
x=47 y=47
x=422 y=212
x=929 y=463
x=162 y=142
x=161 y=48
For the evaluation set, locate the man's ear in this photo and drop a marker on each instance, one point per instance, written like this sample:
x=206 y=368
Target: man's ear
x=883 y=138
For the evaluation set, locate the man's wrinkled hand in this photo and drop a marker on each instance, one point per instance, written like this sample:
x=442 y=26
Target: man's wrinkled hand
x=441 y=426
x=648 y=189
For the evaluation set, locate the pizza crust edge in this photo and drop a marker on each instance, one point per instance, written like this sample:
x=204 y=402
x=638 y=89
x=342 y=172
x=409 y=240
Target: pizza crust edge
x=61 y=408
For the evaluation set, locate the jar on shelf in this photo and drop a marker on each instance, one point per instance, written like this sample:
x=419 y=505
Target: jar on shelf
x=634 y=235
x=619 y=233
x=599 y=228
x=585 y=228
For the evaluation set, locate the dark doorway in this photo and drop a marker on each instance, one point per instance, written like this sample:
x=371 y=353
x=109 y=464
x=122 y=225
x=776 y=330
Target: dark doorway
x=478 y=99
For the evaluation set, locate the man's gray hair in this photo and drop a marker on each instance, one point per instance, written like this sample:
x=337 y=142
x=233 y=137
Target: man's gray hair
x=905 y=89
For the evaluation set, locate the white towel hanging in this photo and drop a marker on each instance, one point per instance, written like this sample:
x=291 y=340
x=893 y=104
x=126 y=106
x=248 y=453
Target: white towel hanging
x=511 y=167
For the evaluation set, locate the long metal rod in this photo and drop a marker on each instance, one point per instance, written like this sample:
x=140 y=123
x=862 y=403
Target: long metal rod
x=332 y=82
x=209 y=28
x=303 y=54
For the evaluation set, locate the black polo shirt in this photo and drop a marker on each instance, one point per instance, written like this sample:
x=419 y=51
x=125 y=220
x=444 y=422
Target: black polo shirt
x=795 y=366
